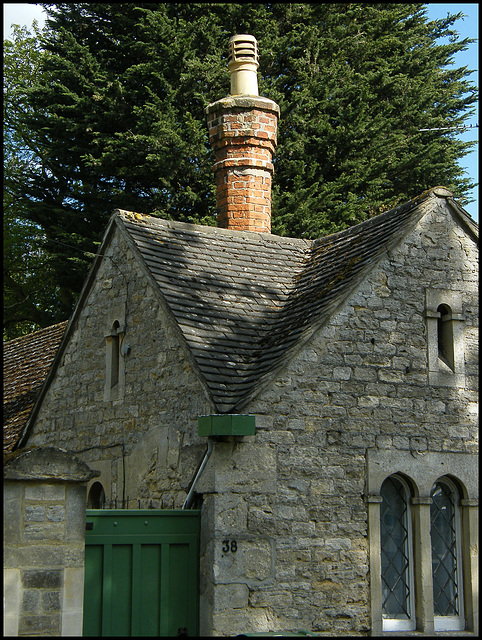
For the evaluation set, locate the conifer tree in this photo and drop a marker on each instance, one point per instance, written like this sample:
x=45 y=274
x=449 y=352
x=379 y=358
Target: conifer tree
x=31 y=295
x=119 y=110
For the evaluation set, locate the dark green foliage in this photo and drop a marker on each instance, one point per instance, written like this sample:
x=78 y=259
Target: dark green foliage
x=31 y=292
x=118 y=115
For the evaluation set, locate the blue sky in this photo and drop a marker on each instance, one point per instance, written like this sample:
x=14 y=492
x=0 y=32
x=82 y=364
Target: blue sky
x=467 y=28
x=23 y=14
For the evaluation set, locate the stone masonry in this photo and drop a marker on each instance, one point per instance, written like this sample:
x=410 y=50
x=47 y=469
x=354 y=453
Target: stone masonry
x=44 y=524
x=294 y=495
x=146 y=441
x=285 y=540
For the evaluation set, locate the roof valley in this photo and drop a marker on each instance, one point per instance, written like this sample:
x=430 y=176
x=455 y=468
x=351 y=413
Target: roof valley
x=245 y=302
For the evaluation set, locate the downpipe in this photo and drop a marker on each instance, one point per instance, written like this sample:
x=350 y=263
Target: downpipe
x=190 y=496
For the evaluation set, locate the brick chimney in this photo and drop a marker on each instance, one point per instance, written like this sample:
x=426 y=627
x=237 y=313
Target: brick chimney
x=242 y=130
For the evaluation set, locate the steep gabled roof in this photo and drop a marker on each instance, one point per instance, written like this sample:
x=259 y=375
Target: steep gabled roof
x=26 y=363
x=226 y=290
x=245 y=302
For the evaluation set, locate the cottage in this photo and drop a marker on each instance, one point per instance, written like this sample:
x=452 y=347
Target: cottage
x=314 y=401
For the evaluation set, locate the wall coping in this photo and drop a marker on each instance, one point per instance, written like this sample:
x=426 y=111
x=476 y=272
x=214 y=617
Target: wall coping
x=47 y=464
x=243 y=102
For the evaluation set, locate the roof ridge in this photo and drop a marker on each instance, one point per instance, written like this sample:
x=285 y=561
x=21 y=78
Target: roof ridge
x=195 y=228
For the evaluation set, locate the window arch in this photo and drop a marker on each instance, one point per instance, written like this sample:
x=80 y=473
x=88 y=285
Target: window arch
x=396 y=547
x=436 y=482
x=445 y=338
x=445 y=534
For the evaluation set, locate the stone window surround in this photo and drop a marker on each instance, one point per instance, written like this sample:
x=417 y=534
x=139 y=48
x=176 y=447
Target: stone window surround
x=422 y=470
x=454 y=622
x=405 y=624
x=441 y=375
x=115 y=328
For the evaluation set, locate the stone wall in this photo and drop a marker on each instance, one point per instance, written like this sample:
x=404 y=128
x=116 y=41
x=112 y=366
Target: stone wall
x=294 y=495
x=285 y=539
x=44 y=530
x=144 y=440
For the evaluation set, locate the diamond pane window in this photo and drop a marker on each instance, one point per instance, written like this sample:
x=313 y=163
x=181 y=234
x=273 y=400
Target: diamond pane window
x=444 y=551
x=395 y=550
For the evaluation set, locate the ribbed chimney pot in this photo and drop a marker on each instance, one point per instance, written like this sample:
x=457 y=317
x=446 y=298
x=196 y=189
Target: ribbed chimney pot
x=242 y=130
x=243 y=65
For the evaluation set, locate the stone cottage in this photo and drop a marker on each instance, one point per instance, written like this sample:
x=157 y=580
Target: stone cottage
x=316 y=400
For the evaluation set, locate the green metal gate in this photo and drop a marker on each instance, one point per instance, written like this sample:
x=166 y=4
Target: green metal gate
x=141 y=573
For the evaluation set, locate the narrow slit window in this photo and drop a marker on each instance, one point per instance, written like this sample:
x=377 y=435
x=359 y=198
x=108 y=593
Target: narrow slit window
x=114 y=371
x=114 y=360
x=445 y=336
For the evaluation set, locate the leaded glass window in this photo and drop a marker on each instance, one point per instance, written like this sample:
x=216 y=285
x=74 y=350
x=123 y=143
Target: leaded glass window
x=395 y=550
x=445 y=561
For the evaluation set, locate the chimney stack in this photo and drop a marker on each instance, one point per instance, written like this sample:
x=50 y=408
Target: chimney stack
x=242 y=130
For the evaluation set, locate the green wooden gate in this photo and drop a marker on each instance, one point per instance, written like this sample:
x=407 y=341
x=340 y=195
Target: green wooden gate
x=141 y=573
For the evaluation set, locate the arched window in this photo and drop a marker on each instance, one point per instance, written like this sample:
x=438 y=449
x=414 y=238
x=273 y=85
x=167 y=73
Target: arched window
x=396 y=556
x=429 y=505
x=96 y=497
x=445 y=336
x=446 y=556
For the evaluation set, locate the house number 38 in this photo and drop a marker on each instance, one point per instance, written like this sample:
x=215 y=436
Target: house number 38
x=230 y=545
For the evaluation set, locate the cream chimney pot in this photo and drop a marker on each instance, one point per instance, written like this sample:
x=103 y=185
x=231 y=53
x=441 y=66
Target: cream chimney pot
x=243 y=65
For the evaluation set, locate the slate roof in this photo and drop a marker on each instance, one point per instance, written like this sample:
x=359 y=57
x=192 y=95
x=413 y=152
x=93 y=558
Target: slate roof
x=26 y=363
x=245 y=302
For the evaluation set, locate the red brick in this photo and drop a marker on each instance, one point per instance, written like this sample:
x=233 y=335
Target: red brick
x=242 y=138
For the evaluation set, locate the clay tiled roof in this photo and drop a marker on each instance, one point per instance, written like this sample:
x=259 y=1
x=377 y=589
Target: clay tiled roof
x=26 y=363
x=245 y=302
